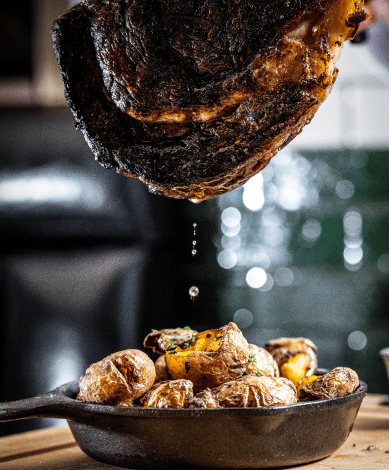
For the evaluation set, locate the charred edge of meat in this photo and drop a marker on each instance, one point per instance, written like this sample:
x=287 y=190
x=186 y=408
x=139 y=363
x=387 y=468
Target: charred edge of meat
x=167 y=156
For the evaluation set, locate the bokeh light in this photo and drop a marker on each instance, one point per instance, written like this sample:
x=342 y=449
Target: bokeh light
x=344 y=189
x=383 y=263
x=227 y=259
x=256 y=277
x=283 y=276
x=243 y=318
x=357 y=340
x=311 y=230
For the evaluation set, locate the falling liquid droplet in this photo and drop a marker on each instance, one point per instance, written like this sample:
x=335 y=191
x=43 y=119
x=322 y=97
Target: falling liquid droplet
x=194 y=242
x=194 y=225
x=194 y=292
x=194 y=252
x=195 y=200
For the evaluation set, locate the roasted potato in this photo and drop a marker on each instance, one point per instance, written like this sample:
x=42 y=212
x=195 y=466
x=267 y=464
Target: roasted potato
x=339 y=382
x=296 y=357
x=204 y=399
x=261 y=362
x=211 y=358
x=256 y=391
x=168 y=394
x=306 y=381
x=161 y=371
x=119 y=379
x=168 y=339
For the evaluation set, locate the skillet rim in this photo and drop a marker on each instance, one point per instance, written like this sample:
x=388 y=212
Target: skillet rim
x=69 y=390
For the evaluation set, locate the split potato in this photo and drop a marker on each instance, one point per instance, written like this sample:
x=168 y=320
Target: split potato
x=211 y=358
x=119 y=379
x=296 y=357
x=161 y=341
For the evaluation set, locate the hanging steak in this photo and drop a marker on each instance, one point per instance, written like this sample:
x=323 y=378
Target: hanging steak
x=194 y=97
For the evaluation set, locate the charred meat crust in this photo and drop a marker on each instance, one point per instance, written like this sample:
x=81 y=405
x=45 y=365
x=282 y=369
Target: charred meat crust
x=184 y=60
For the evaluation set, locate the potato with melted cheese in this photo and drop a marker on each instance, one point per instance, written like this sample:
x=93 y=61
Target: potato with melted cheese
x=118 y=379
x=211 y=358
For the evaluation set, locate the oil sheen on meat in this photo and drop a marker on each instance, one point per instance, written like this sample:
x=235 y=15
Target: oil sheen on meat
x=194 y=97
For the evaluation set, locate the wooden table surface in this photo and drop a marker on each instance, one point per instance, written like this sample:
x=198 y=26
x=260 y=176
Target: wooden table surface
x=55 y=448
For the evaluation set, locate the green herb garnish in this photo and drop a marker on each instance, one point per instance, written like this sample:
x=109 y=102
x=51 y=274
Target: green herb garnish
x=153 y=329
x=195 y=332
x=169 y=344
x=259 y=374
x=186 y=345
x=252 y=358
x=250 y=347
x=187 y=328
x=193 y=338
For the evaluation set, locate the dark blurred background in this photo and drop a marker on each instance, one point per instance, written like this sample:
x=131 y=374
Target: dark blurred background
x=90 y=261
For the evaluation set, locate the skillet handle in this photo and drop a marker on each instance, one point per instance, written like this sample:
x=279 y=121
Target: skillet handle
x=49 y=405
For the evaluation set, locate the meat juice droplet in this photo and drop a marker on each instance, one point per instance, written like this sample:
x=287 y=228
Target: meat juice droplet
x=194 y=242
x=194 y=291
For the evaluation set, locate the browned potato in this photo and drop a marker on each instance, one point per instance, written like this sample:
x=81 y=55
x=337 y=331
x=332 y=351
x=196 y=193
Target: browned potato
x=296 y=357
x=204 y=399
x=168 y=339
x=168 y=394
x=261 y=362
x=337 y=383
x=305 y=381
x=212 y=358
x=254 y=391
x=119 y=379
x=161 y=370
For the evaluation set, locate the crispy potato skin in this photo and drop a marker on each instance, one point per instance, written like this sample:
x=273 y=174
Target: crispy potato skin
x=168 y=394
x=215 y=362
x=339 y=382
x=261 y=361
x=161 y=370
x=158 y=340
x=119 y=379
x=204 y=399
x=252 y=391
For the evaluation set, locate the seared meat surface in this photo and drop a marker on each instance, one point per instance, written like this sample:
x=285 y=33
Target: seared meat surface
x=195 y=96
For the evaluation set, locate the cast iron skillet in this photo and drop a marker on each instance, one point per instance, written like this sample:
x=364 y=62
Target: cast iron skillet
x=147 y=438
